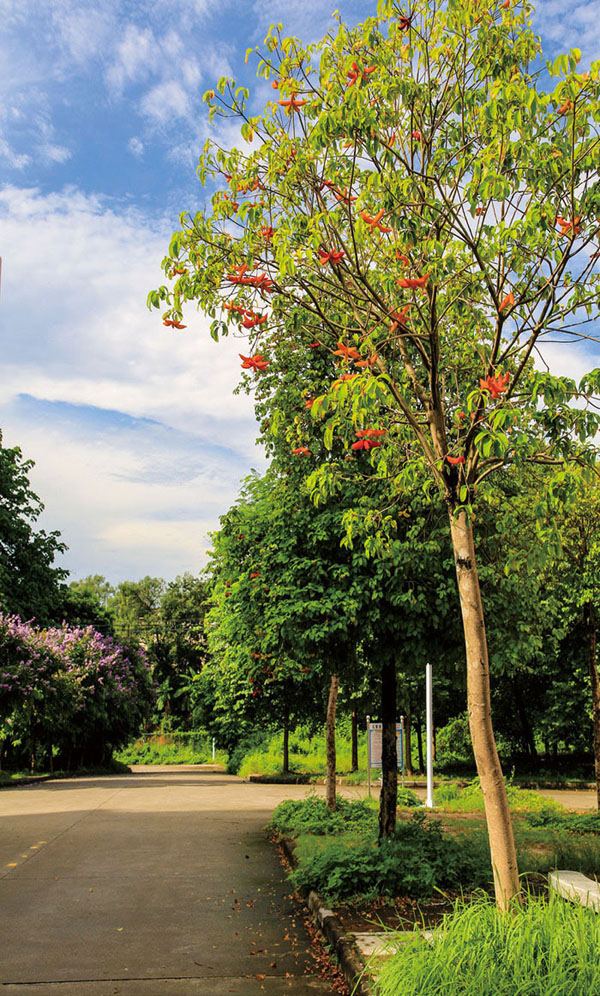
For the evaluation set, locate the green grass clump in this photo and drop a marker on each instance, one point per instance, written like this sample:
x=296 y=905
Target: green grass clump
x=547 y=948
x=150 y=752
x=419 y=859
x=455 y=798
x=312 y=816
x=582 y=823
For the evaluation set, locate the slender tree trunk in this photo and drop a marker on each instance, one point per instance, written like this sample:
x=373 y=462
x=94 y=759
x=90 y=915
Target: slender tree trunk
x=593 y=669
x=354 y=741
x=286 y=745
x=407 y=745
x=388 y=799
x=500 y=831
x=330 y=740
x=420 y=746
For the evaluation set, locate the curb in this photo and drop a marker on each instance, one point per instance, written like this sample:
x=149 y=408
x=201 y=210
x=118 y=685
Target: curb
x=341 y=943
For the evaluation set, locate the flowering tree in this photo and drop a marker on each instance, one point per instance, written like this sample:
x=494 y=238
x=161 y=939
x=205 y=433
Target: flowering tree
x=420 y=210
x=70 y=689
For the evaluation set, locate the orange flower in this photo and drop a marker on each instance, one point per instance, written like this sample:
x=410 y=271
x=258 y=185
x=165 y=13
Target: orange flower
x=358 y=75
x=309 y=402
x=251 y=321
x=416 y=135
x=172 y=323
x=455 y=460
x=565 y=108
x=301 y=451
x=505 y=5
x=267 y=233
x=404 y=23
x=370 y=433
x=399 y=318
x=348 y=352
x=343 y=196
x=314 y=345
x=375 y=221
x=292 y=104
x=495 y=385
x=255 y=575
x=256 y=362
x=368 y=362
x=334 y=257
x=402 y=257
x=508 y=302
x=413 y=282
x=365 y=444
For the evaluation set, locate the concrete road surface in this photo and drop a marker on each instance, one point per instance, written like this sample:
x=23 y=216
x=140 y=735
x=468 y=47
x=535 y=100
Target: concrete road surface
x=160 y=883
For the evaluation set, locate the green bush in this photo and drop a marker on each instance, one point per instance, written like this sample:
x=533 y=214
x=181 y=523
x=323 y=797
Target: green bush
x=295 y=817
x=419 y=859
x=263 y=754
x=547 y=948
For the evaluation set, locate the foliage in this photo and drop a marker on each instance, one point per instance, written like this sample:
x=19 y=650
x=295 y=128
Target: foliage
x=547 y=947
x=69 y=689
x=152 y=752
x=307 y=752
x=455 y=798
x=581 y=823
x=419 y=859
x=30 y=584
x=294 y=817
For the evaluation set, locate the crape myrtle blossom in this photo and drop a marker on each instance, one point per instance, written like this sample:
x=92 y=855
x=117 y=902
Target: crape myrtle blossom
x=68 y=686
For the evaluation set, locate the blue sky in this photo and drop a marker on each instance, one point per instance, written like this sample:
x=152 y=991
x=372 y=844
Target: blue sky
x=138 y=440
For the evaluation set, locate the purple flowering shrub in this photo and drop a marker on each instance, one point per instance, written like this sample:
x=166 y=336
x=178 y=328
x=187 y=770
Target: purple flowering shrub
x=69 y=688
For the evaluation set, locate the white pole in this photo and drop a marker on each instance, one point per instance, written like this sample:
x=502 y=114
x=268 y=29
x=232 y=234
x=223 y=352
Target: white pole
x=429 y=721
x=369 y=754
x=213 y=748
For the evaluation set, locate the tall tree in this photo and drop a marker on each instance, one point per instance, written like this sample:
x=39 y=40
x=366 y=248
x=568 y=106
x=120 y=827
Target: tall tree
x=418 y=206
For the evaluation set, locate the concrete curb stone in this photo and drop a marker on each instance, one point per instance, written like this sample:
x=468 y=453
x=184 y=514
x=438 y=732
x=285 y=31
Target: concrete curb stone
x=342 y=944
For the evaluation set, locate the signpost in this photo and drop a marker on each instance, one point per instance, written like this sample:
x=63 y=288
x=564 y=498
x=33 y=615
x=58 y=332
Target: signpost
x=374 y=734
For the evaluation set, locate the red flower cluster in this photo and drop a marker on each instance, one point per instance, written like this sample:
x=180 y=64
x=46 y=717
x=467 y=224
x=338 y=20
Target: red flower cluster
x=414 y=282
x=172 y=323
x=347 y=352
x=256 y=362
x=375 y=221
x=301 y=451
x=359 y=75
x=334 y=257
x=495 y=385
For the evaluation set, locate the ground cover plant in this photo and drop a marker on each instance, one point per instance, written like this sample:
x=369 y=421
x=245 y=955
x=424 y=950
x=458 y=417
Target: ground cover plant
x=456 y=798
x=579 y=823
x=419 y=859
x=547 y=948
x=151 y=752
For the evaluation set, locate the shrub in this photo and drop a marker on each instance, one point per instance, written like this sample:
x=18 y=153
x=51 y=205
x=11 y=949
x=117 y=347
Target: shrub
x=419 y=859
x=294 y=817
x=547 y=948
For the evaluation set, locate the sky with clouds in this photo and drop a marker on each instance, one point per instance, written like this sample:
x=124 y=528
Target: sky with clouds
x=138 y=441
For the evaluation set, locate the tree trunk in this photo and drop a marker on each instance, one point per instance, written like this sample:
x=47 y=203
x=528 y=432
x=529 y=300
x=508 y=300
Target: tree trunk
x=354 y=741
x=388 y=799
x=330 y=740
x=420 y=746
x=593 y=669
x=407 y=745
x=500 y=831
x=286 y=746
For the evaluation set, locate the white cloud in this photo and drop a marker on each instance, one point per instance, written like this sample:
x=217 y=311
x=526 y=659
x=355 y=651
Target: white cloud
x=136 y=146
x=76 y=273
x=164 y=102
x=136 y=57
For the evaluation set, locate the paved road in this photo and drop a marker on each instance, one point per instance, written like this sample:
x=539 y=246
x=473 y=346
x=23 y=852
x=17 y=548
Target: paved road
x=160 y=883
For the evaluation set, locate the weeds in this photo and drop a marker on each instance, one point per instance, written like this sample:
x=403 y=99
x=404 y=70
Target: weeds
x=546 y=948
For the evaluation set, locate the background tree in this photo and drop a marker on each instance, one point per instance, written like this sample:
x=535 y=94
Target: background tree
x=30 y=583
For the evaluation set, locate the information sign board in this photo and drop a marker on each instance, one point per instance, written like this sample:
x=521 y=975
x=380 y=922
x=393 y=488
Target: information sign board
x=374 y=733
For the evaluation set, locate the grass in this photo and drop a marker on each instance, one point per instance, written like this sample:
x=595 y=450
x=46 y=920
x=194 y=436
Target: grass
x=454 y=798
x=547 y=948
x=152 y=752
